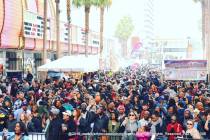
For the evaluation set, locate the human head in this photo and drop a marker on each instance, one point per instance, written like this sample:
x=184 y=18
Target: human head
x=155 y=117
x=132 y=115
x=11 y=116
x=190 y=124
x=58 y=103
x=187 y=114
x=20 y=129
x=121 y=109
x=24 y=105
x=173 y=119
x=146 y=115
x=100 y=109
x=66 y=115
x=114 y=116
x=199 y=106
x=83 y=107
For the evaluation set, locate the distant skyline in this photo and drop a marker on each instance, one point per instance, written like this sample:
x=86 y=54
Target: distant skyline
x=173 y=18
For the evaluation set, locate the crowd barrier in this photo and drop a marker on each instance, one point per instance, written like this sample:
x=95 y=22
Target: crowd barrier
x=97 y=136
x=32 y=136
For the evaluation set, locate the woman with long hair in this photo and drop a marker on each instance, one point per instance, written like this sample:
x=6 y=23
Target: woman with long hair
x=20 y=133
x=113 y=126
x=25 y=119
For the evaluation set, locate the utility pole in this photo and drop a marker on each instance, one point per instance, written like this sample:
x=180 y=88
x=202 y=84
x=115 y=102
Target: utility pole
x=69 y=25
x=58 y=52
x=44 y=54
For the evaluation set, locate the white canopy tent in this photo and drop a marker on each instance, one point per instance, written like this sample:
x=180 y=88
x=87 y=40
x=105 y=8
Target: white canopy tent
x=72 y=64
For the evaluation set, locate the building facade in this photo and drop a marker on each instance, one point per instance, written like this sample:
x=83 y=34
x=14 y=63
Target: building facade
x=21 y=35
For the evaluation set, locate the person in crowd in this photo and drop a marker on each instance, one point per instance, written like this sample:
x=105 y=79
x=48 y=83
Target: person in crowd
x=29 y=77
x=101 y=120
x=192 y=132
x=11 y=122
x=156 y=124
x=25 y=119
x=145 y=120
x=68 y=126
x=20 y=98
x=113 y=126
x=131 y=125
x=23 y=109
x=54 y=128
x=174 y=129
x=58 y=105
x=35 y=124
x=143 y=133
x=20 y=133
x=207 y=125
x=86 y=120
x=187 y=116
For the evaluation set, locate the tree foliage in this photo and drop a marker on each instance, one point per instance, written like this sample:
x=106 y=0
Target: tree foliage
x=125 y=28
x=102 y=3
x=80 y=3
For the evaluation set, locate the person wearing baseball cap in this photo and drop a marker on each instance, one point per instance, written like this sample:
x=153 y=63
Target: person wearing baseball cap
x=68 y=126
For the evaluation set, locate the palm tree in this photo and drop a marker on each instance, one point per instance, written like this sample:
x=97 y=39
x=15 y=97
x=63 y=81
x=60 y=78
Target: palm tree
x=102 y=4
x=87 y=5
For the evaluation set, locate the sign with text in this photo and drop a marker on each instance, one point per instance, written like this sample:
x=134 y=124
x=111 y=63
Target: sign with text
x=185 y=69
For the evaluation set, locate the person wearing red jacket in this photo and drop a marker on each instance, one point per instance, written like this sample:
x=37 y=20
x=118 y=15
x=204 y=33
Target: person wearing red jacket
x=174 y=129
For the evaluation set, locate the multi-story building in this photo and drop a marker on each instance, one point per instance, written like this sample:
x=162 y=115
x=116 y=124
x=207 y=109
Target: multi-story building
x=21 y=35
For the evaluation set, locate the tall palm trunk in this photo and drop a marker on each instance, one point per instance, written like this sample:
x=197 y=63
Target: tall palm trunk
x=44 y=57
x=101 y=35
x=68 y=4
x=58 y=29
x=87 y=13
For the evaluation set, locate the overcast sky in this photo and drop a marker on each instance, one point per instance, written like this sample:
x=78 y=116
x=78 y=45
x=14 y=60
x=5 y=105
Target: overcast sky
x=173 y=18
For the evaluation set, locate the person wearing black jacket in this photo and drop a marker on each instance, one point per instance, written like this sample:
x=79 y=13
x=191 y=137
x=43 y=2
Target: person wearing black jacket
x=101 y=121
x=68 y=126
x=86 y=119
x=54 y=130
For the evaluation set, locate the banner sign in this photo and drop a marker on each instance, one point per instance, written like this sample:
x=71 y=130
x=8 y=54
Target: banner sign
x=185 y=69
x=185 y=64
x=185 y=74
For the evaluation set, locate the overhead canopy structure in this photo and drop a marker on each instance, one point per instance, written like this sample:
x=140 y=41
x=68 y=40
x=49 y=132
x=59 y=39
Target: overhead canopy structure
x=72 y=64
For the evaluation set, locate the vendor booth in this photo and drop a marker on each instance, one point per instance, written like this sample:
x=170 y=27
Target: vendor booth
x=72 y=65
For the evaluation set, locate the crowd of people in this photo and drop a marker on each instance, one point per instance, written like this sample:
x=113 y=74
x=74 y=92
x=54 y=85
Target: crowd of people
x=132 y=104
